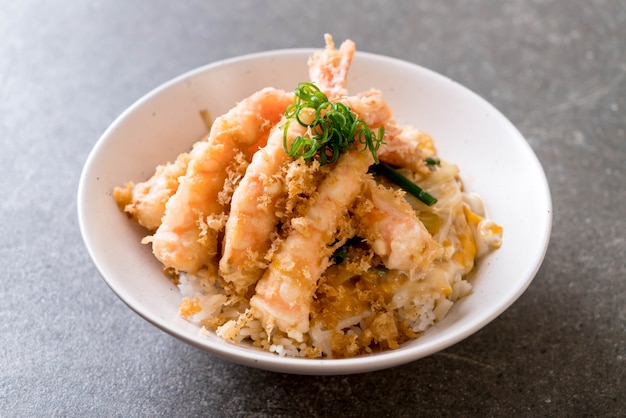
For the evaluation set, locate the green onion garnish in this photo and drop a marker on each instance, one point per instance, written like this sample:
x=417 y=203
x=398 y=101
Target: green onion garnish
x=332 y=128
x=404 y=183
x=432 y=161
x=340 y=254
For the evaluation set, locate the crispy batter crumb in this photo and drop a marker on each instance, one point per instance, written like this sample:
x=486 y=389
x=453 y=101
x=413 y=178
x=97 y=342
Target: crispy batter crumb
x=189 y=307
x=235 y=171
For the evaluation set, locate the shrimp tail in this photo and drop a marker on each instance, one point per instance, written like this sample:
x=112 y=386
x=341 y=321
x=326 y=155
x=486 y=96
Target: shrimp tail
x=328 y=69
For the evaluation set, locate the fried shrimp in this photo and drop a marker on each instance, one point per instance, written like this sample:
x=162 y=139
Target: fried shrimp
x=406 y=147
x=392 y=229
x=145 y=201
x=371 y=107
x=328 y=69
x=284 y=294
x=187 y=237
x=253 y=218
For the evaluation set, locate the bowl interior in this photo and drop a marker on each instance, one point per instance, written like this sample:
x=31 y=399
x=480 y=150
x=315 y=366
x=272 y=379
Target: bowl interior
x=494 y=159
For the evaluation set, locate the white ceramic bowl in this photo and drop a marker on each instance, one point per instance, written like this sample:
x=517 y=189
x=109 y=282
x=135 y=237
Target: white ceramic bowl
x=494 y=159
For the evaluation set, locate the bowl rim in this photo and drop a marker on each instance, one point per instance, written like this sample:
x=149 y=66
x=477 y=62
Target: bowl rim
x=273 y=362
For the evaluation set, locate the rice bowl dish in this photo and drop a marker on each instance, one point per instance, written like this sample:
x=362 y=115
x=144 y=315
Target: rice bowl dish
x=396 y=304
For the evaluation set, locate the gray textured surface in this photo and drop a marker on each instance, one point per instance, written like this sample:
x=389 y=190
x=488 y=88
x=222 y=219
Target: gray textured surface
x=69 y=347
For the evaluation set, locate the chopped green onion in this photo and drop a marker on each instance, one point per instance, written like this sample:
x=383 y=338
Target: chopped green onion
x=432 y=161
x=404 y=183
x=334 y=127
x=341 y=253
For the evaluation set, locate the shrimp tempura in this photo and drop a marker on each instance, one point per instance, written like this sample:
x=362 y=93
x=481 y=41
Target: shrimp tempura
x=186 y=240
x=328 y=69
x=284 y=295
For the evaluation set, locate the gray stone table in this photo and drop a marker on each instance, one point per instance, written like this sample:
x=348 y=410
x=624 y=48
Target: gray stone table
x=70 y=347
